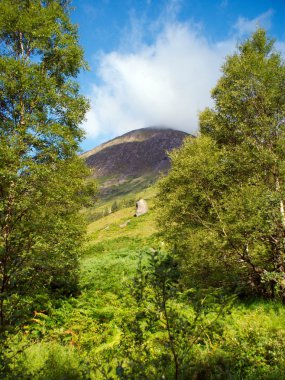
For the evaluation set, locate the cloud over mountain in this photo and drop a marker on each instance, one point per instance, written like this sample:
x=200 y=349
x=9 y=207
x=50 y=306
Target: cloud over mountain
x=165 y=82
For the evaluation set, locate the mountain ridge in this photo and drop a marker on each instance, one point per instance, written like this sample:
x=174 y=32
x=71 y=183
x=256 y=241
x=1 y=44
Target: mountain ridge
x=139 y=155
x=154 y=139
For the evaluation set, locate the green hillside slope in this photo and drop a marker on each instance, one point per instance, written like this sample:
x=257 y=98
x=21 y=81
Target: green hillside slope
x=88 y=336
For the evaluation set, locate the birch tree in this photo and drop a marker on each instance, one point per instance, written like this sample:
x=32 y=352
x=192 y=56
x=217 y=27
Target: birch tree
x=41 y=176
x=224 y=217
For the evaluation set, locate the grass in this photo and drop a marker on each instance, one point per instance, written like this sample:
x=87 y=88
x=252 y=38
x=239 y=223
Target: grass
x=125 y=189
x=77 y=337
x=249 y=344
x=131 y=195
x=108 y=266
x=123 y=223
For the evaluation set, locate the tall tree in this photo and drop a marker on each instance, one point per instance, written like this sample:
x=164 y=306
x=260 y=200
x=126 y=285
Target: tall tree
x=41 y=176
x=225 y=214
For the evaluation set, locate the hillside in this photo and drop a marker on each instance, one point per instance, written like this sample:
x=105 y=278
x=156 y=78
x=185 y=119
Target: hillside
x=134 y=160
x=91 y=333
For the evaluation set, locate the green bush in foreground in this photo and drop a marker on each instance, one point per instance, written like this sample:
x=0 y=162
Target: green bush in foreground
x=106 y=334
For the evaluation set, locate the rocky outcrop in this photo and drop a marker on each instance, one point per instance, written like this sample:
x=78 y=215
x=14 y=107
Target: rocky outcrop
x=141 y=207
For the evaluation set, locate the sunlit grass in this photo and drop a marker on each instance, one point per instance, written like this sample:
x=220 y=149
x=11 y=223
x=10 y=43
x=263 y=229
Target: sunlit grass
x=119 y=224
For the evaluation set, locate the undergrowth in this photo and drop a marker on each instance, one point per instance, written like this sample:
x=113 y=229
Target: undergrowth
x=123 y=325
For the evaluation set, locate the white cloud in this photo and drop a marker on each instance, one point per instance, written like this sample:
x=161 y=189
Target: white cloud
x=166 y=83
x=245 y=26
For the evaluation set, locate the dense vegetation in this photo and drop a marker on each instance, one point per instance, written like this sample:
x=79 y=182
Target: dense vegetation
x=222 y=206
x=115 y=328
x=196 y=296
x=42 y=180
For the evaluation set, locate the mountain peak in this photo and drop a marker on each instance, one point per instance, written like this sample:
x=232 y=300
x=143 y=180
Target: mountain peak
x=136 y=154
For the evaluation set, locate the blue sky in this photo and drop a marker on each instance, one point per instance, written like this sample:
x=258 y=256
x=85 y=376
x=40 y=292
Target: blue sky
x=154 y=62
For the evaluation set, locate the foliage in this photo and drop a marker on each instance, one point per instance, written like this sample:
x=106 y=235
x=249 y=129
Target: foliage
x=41 y=178
x=114 y=207
x=221 y=208
x=218 y=199
x=161 y=334
x=109 y=331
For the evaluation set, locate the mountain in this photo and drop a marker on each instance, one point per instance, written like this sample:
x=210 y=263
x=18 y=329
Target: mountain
x=134 y=159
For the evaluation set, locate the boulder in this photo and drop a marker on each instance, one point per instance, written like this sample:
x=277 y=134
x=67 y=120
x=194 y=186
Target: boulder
x=141 y=207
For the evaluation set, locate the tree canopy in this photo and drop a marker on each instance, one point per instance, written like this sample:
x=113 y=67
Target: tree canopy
x=42 y=183
x=221 y=208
